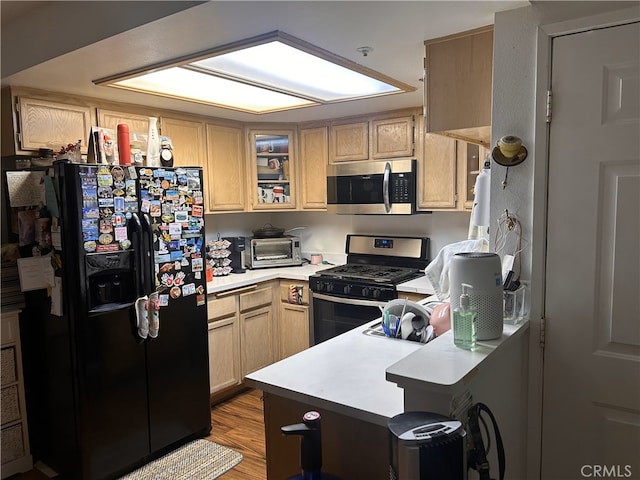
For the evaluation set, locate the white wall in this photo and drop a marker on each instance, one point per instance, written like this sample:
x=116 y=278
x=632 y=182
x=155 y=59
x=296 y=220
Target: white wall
x=520 y=77
x=326 y=233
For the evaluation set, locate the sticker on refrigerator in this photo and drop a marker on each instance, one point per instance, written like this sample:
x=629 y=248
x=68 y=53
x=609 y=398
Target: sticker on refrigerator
x=181 y=216
x=175 y=229
x=90 y=212
x=189 y=289
x=105 y=180
x=197 y=197
x=155 y=208
x=197 y=264
x=197 y=211
x=118 y=204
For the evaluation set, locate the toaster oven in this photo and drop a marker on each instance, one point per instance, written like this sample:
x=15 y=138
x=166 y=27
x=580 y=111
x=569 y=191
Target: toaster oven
x=275 y=252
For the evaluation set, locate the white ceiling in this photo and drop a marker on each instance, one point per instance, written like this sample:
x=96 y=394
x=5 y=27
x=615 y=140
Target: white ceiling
x=64 y=46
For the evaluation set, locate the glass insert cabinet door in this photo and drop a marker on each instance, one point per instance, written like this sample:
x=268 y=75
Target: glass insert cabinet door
x=273 y=170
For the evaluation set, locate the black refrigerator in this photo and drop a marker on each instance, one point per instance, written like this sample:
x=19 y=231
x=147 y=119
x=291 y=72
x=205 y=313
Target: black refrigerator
x=113 y=386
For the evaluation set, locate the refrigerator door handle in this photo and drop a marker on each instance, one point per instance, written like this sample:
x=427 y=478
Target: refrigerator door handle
x=135 y=234
x=148 y=263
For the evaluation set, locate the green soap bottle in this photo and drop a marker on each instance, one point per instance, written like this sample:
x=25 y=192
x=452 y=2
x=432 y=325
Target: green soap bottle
x=464 y=321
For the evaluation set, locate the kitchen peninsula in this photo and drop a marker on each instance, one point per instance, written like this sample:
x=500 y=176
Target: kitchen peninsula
x=358 y=381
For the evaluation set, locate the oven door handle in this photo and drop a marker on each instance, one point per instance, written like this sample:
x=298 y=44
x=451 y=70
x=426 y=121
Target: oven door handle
x=348 y=301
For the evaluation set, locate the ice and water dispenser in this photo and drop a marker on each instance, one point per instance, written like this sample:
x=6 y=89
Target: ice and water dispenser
x=110 y=278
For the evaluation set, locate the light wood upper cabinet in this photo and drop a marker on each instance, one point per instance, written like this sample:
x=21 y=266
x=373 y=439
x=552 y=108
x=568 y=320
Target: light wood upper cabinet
x=437 y=174
x=314 y=156
x=225 y=168
x=448 y=173
x=458 y=85
x=272 y=169
x=375 y=137
x=111 y=119
x=188 y=139
x=50 y=124
x=392 y=137
x=349 y=142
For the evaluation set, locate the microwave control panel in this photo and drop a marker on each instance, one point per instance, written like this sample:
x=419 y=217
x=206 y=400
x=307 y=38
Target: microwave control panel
x=401 y=188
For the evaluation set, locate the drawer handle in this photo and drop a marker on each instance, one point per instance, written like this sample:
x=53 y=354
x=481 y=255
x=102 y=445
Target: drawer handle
x=238 y=290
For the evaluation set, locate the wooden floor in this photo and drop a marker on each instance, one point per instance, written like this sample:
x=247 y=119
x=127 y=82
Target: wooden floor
x=238 y=424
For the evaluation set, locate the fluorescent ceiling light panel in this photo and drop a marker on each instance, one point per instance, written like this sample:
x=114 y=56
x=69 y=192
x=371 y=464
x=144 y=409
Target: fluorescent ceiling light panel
x=269 y=73
x=177 y=82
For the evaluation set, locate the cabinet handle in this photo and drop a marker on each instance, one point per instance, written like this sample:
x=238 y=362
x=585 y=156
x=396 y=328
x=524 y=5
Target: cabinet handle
x=237 y=290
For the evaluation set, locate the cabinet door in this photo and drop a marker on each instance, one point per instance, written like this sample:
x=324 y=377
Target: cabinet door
x=470 y=163
x=458 y=84
x=272 y=167
x=349 y=142
x=224 y=354
x=392 y=137
x=314 y=156
x=225 y=168
x=188 y=141
x=256 y=339
x=47 y=124
x=293 y=329
x=111 y=119
x=438 y=173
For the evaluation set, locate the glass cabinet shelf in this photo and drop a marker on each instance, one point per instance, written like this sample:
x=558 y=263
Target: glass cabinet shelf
x=273 y=174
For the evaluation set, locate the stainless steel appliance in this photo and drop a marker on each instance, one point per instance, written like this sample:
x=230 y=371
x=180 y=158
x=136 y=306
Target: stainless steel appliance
x=275 y=252
x=109 y=394
x=386 y=188
x=350 y=295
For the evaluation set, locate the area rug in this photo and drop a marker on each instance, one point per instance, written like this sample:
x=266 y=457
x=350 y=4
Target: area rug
x=197 y=460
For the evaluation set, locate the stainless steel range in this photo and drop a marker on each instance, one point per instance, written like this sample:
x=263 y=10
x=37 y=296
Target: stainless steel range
x=350 y=295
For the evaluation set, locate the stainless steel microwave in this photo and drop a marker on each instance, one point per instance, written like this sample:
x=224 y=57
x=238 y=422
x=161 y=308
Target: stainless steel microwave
x=372 y=188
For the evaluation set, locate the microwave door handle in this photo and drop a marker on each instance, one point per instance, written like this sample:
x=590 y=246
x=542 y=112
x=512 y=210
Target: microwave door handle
x=385 y=187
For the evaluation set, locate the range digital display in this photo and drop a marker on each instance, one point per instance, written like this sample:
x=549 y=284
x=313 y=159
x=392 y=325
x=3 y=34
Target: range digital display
x=383 y=243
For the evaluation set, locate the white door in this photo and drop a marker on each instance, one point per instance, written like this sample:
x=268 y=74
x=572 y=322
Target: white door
x=591 y=407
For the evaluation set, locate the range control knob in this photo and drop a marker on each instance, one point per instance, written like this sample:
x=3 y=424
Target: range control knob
x=347 y=289
x=376 y=293
x=365 y=292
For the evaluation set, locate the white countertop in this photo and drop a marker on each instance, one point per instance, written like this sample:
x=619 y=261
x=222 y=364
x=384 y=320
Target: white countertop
x=356 y=374
x=345 y=374
x=443 y=367
x=237 y=280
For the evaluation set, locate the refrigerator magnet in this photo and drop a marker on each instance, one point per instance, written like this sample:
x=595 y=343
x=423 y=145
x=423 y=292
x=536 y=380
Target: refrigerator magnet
x=197 y=264
x=197 y=211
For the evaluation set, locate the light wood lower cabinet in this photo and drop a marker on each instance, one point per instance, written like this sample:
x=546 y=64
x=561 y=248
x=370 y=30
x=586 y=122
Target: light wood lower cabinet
x=224 y=343
x=256 y=343
x=293 y=318
x=241 y=334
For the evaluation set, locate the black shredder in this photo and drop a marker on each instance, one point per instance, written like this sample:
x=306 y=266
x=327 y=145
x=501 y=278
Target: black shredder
x=426 y=446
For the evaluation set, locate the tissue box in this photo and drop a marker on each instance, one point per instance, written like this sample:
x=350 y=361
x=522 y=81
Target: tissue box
x=514 y=305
